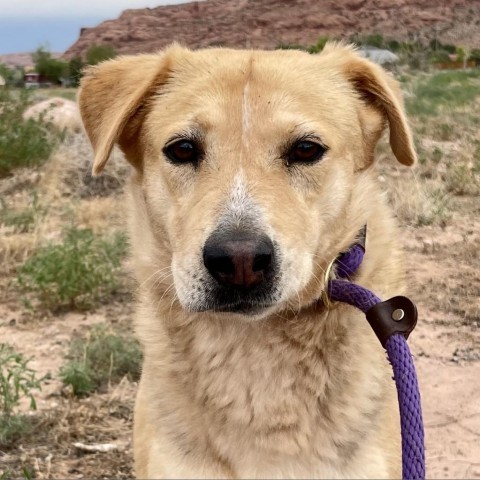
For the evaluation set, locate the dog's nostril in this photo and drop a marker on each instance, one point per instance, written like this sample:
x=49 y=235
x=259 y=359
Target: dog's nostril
x=239 y=261
x=261 y=262
x=220 y=264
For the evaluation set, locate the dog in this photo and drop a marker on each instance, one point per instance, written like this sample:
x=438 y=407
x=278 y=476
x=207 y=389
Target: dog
x=252 y=171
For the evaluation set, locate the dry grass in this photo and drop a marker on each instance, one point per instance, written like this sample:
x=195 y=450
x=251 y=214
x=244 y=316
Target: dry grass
x=447 y=133
x=103 y=418
x=68 y=172
x=67 y=194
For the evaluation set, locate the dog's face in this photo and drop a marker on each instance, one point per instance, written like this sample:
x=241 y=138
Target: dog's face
x=246 y=161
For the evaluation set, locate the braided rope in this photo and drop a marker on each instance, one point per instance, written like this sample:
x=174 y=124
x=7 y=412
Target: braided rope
x=353 y=294
x=411 y=421
x=413 y=451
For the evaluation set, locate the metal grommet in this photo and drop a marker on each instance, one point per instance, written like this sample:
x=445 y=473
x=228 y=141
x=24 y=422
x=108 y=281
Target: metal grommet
x=326 y=278
x=398 y=314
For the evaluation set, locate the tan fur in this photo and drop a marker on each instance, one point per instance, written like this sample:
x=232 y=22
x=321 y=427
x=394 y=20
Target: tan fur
x=296 y=391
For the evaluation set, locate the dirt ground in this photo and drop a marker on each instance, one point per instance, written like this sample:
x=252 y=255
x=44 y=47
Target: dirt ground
x=443 y=264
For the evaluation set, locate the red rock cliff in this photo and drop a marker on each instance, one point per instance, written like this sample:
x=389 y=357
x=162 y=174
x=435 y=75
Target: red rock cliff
x=267 y=23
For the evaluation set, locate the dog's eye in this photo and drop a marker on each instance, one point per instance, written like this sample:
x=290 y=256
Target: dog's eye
x=183 y=151
x=305 y=151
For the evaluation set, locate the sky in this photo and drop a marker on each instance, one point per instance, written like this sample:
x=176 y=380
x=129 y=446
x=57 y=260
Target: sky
x=27 y=24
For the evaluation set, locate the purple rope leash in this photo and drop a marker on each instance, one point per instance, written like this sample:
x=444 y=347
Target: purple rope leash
x=411 y=422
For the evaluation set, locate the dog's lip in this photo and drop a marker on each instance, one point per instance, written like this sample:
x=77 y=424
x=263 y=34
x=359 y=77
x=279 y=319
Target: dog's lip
x=245 y=308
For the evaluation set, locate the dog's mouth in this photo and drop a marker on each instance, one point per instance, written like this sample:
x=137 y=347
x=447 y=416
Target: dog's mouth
x=250 y=303
x=243 y=308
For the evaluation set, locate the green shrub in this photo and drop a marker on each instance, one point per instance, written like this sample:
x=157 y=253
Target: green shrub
x=23 y=143
x=17 y=381
x=102 y=358
x=450 y=89
x=79 y=375
x=76 y=273
x=24 y=220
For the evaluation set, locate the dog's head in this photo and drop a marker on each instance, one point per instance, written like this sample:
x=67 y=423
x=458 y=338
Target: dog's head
x=246 y=161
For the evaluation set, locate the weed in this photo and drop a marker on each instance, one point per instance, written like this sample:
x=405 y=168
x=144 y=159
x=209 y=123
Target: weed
x=444 y=132
x=24 y=220
x=437 y=155
x=27 y=473
x=420 y=203
x=435 y=208
x=462 y=180
x=102 y=358
x=17 y=381
x=76 y=273
x=79 y=375
x=23 y=143
x=13 y=428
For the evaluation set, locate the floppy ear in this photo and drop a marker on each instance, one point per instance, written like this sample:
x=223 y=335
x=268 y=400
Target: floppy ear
x=112 y=103
x=380 y=92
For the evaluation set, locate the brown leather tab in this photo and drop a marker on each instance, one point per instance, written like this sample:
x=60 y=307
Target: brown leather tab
x=396 y=315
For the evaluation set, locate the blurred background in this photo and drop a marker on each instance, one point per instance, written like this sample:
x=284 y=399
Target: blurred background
x=69 y=361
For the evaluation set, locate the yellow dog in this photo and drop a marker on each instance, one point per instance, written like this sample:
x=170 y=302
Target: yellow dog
x=252 y=171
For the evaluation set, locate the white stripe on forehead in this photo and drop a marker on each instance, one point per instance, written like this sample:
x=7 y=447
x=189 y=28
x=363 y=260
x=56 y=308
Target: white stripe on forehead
x=245 y=112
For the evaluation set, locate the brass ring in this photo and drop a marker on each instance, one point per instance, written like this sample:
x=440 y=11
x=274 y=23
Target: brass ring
x=326 y=278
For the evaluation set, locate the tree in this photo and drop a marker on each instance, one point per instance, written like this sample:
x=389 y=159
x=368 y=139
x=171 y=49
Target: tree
x=75 y=70
x=7 y=74
x=475 y=56
x=52 y=68
x=100 y=53
x=462 y=56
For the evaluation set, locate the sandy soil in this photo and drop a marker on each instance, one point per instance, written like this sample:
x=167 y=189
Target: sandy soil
x=445 y=265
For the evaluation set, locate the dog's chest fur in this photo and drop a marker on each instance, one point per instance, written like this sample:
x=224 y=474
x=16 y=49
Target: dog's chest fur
x=286 y=398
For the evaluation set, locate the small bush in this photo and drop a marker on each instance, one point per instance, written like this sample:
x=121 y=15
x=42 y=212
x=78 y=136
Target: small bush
x=79 y=375
x=17 y=381
x=435 y=208
x=76 y=273
x=104 y=357
x=23 y=143
x=13 y=428
x=420 y=203
x=462 y=180
x=24 y=220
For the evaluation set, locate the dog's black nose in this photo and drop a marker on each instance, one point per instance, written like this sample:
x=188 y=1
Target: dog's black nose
x=239 y=260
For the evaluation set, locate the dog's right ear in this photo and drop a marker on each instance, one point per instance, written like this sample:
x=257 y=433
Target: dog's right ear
x=112 y=99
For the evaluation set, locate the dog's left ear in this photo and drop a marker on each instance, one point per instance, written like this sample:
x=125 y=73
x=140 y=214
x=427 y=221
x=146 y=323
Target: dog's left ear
x=381 y=93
